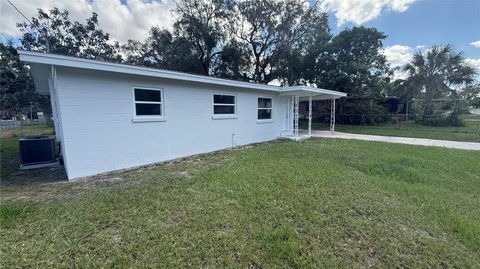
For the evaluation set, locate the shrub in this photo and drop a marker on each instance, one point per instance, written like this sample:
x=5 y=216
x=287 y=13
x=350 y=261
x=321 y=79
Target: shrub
x=440 y=120
x=475 y=102
x=362 y=113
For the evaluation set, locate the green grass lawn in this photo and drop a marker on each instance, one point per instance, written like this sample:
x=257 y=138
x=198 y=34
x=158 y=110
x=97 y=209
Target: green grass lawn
x=470 y=132
x=316 y=203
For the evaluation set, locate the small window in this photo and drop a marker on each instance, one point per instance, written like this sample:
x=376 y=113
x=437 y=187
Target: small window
x=148 y=102
x=224 y=104
x=264 y=108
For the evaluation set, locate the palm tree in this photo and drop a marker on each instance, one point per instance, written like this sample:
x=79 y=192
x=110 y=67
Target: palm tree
x=436 y=71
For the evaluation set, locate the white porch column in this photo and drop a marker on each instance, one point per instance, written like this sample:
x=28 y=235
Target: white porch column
x=296 y=100
x=310 y=115
x=332 y=115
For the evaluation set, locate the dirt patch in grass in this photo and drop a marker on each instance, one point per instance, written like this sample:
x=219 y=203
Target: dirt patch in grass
x=55 y=186
x=56 y=190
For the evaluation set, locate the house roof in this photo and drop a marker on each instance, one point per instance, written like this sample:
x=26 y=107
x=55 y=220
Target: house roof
x=40 y=63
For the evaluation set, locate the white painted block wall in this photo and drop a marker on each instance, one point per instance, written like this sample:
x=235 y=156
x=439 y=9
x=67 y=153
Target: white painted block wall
x=99 y=135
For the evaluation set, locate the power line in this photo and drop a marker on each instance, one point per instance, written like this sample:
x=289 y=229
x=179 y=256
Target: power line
x=25 y=17
x=31 y=24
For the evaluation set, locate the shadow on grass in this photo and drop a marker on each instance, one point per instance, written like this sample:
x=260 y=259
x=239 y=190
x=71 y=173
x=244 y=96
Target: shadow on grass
x=37 y=176
x=10 y=174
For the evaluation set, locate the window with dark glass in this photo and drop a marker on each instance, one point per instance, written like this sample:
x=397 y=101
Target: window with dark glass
x=148 y=102
x=223 y=104
x=264 y=108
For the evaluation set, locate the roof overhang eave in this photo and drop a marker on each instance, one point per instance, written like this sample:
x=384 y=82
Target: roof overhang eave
x=74 y=62
x=316 y=93
x=41 y=60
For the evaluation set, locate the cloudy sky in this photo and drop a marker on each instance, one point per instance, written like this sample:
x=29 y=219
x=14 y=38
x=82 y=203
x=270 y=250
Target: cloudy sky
x=410 y=24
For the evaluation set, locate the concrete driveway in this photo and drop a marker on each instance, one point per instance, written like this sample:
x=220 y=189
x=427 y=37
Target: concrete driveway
x=400 y=140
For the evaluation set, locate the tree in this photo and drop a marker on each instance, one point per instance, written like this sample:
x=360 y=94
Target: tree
x=436 y=71
x=135 y=52
x=233 y=62
x=193 y=45
x=276 y=36
x=170 y=52
x=200 y=23
x=255 y=24
x=17 y=90
x=352 y=63
x=470 y=91
x=405 y=91
x=161 y=49
x=54 y=32
x=302 y=28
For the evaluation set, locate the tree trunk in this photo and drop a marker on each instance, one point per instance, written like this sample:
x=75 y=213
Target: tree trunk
x=428 y=111
x=206 y=66
x=291 y=78
x=257 y=75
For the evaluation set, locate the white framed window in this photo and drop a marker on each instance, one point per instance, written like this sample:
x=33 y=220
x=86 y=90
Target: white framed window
x=148 y=103
x=224 y=105
x=265 y=109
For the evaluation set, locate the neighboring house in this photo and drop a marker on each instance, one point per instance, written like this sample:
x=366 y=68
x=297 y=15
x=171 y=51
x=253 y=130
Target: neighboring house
x=111 y=116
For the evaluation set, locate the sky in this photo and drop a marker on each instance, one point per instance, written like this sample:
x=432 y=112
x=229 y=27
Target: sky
x=410 y=25
x=416 y=25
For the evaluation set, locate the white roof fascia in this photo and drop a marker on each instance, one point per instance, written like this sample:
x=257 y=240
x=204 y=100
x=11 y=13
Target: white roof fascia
x=67 y=61
x=75 y=62
x=309 y=91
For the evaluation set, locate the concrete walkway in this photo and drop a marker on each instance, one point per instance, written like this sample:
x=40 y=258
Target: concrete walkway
x=475 y=111
x=400 y=140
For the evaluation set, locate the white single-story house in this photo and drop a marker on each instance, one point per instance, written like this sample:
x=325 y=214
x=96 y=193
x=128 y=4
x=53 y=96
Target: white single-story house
x=110 y=116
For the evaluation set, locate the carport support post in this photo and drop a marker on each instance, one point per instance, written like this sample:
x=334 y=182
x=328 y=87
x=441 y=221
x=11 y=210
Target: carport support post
x=310 y=115
x=332 y=116
x=296 y=100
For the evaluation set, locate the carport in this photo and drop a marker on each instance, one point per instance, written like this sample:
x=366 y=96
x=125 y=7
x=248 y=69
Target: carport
x=298 y=94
